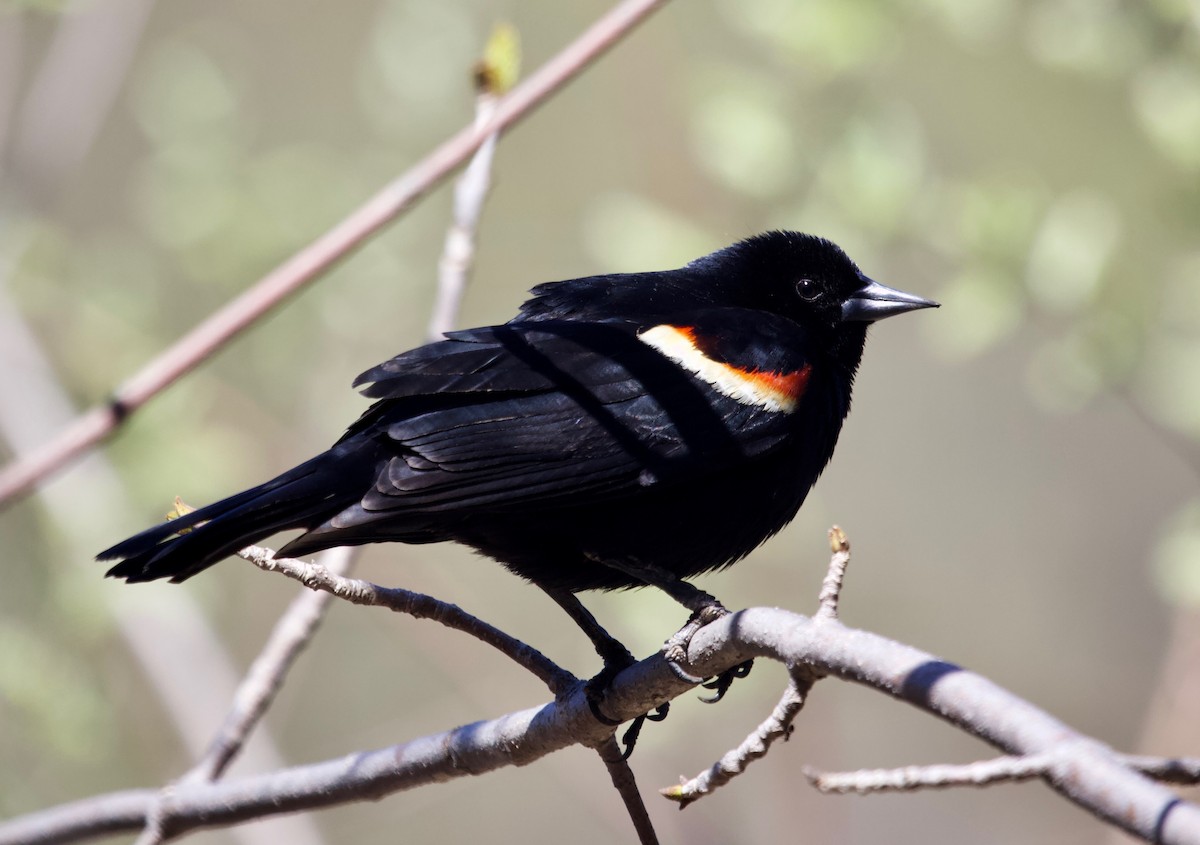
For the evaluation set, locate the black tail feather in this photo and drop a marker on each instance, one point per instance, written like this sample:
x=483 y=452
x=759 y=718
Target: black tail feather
x=300 y=498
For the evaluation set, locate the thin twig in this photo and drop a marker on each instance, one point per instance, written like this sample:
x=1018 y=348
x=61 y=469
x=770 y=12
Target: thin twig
x=459 y=250
x=623 y=781
x=170 y=638
x=831 y=587
x=777 y=726
x=908 y=778
x=291 y=635
x=357 y=591
x=66 y=101
x=779 y=723
x=494 y=75
x=254 y=695
x=319 y=256
x=986 y=773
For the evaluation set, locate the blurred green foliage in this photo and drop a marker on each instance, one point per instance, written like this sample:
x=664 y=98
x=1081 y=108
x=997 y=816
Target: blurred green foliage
x=1179 y=549
x=1035 y=166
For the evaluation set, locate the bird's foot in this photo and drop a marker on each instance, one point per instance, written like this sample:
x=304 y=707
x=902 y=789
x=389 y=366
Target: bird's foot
x=594 y=691
x=675 y=649
x=675 y=652
x=630 y=737
x=721 y=683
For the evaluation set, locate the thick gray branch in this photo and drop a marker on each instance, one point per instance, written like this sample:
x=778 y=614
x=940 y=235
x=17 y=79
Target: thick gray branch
x=1085 y=771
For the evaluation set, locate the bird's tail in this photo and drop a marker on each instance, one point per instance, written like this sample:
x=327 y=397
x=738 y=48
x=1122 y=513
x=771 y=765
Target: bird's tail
x=302 y=497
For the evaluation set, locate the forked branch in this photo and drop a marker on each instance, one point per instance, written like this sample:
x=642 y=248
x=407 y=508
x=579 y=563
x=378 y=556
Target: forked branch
x=1112 y=786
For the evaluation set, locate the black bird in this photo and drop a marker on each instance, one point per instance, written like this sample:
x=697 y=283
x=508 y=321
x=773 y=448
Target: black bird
x=621 y=430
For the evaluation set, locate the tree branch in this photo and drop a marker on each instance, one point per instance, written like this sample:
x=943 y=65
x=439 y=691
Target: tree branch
x=623 y=781
x=289 y=638
x=494 y=75
x=356 y=591
x=985 y=773
x=1085 y=771
x=982 y=773
x=835 y=576
x=319 y=256
x=777 y=726
x=67 y=99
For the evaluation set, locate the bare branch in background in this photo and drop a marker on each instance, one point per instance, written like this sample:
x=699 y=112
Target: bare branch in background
x=297 y=626
x=300 y=621
x=319 y=256
x=74 y=90
x=71 y=94
x=1110 y=785
x=494 y=76
x=291 y=635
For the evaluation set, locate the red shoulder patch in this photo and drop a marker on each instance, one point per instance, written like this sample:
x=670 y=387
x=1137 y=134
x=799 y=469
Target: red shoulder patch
x=772 y=391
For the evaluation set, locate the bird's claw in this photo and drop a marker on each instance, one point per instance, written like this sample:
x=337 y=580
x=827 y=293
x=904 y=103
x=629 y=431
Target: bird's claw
x=630 y=737
x=709 y=613
x=594 y=691
x=721 y=683
x=675 y=653
x=674 y=650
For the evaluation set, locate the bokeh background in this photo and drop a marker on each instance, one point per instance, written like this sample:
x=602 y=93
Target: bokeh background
x=1018 y=476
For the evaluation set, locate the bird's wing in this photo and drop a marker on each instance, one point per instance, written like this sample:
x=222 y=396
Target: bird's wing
x=504 y=417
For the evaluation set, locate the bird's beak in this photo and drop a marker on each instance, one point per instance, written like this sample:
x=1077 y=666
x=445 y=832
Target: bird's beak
x=874 y=301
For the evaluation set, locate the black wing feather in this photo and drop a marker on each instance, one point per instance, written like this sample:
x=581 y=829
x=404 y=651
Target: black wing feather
x=515 y=416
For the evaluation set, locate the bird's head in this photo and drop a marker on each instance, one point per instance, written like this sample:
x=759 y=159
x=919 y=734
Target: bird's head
x=802 y=277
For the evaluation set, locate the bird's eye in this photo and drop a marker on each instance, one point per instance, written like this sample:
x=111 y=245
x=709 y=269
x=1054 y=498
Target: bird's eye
x=808 y=290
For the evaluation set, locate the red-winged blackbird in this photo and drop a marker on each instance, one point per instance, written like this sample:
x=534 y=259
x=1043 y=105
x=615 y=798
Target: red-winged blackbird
x=621 y=430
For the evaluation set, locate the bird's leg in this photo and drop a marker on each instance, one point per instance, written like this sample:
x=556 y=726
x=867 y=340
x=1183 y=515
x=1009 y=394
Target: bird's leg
x=614 y=654
x=616 y=658
x=705 y=608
